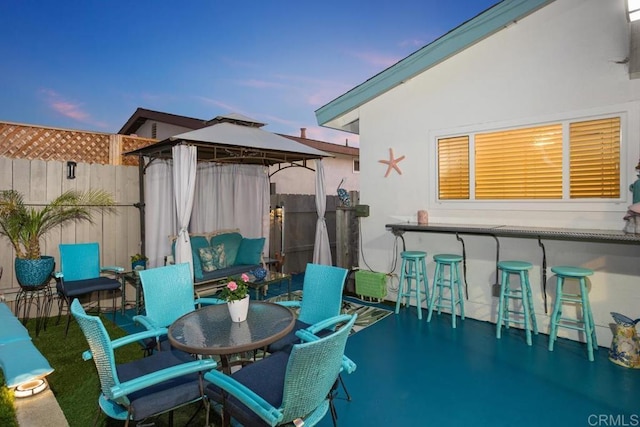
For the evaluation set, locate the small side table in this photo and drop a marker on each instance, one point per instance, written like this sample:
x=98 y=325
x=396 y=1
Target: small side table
x=271 y=278
x=133 y=278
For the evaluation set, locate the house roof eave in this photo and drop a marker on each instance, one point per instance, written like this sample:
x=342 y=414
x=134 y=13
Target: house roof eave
x=342 y=113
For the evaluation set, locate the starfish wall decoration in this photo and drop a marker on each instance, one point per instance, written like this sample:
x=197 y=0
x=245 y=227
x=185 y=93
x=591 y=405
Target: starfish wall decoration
x=392 y=163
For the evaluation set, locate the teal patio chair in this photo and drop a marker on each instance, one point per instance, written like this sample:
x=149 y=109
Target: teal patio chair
x=146 y=387
x=168 y=294
x=80 y=274
x=285 y=387
x=321 y=300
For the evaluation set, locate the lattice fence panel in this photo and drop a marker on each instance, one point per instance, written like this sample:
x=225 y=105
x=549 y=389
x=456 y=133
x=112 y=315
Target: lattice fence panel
x=130 y=143
x=40 y=143
x=32 y=142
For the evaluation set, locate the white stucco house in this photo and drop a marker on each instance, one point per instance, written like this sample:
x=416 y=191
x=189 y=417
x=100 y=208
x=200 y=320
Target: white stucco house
x=344 y=163
x=535 y=71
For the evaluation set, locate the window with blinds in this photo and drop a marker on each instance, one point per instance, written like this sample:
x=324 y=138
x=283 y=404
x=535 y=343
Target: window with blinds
x=519 y=163
x=453 y=168
x=595 y=158
x=527 y=163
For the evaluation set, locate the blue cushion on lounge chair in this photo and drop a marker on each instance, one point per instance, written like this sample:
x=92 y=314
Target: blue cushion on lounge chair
x=259 y=377
x=21 y=362
x=12 y=329
x=82 y=287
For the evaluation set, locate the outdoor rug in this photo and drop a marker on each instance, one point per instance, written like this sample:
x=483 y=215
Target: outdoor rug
x=367 y=314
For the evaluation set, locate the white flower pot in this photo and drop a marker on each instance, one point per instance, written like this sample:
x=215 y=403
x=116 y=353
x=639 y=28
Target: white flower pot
x=238 y=309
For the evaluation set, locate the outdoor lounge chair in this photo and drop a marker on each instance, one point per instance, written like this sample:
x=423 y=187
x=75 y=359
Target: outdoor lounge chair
x=81 y=274
x=145 y=387
x=284 y=387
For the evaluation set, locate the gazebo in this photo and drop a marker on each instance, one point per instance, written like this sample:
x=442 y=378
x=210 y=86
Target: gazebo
x=217 y=177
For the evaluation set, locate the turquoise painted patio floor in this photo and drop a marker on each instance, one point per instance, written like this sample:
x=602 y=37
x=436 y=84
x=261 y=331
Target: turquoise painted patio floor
x=414 y=373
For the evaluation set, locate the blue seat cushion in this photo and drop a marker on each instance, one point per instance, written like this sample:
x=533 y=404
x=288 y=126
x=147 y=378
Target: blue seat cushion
x=167 y=394
x=265 y=377
x=227 y=272
x=21 y=362
x=285 y=343
x=12 y=329
x=82 y=287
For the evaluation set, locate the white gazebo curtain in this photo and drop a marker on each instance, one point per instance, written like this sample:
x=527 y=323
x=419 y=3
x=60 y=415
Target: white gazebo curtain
x=232 y=196
x=160 y=211
x=226 y=196
x=321 y=247
x=185 y=158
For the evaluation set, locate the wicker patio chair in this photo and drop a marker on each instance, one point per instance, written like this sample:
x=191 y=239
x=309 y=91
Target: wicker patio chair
x=285 y=387
x=145 y=387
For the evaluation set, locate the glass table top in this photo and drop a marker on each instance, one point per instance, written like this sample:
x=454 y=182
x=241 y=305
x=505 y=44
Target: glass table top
x=209 y=330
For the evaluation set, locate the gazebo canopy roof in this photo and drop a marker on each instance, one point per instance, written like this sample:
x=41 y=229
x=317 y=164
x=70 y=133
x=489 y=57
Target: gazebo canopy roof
x=228 y=141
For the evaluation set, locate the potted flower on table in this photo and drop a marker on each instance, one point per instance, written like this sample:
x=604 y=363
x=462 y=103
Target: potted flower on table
x=236 y=293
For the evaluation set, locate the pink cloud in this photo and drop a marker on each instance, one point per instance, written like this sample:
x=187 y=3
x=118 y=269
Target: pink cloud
x=72 y=110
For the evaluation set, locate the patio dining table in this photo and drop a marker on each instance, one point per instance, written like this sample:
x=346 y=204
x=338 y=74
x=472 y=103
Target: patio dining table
x=210 y=331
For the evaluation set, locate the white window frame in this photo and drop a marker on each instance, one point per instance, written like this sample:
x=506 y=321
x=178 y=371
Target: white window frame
x=629 y=153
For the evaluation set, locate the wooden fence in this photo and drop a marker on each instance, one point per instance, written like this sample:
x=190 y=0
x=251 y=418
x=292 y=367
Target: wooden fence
x=40 y=182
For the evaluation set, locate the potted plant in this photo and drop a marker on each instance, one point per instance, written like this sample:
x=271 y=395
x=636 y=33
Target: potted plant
x=24 y=226
x=236 y=294
x=138 y=260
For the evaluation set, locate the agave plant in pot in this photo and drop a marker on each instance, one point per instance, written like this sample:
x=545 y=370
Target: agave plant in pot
x=25 y=225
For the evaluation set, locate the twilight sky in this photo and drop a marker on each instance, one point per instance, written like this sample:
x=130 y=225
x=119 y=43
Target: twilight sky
x=89 y=64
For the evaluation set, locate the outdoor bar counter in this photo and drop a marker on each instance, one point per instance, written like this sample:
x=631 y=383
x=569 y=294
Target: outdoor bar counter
x=495 y=231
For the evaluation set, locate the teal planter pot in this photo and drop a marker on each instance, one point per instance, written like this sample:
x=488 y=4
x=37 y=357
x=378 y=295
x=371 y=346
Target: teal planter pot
x=140 y=264
x=34 y=272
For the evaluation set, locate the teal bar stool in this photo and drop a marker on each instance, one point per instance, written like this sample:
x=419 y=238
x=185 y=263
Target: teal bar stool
x=443 y=279
x=508 y=293
x=413 y=270
x=586 y=323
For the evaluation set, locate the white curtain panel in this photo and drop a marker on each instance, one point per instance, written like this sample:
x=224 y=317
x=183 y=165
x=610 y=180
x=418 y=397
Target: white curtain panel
x=232 y=196
x=184 y=185
x=159 y=213
x=213 y=207
x=321 y=248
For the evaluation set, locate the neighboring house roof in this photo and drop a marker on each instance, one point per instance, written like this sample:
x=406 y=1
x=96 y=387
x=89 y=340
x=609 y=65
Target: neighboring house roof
x=141 y=115
x=325 y=146
x=342 y=113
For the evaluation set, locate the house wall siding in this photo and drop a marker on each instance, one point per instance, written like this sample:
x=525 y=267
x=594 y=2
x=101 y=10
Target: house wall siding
x=565 y=60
